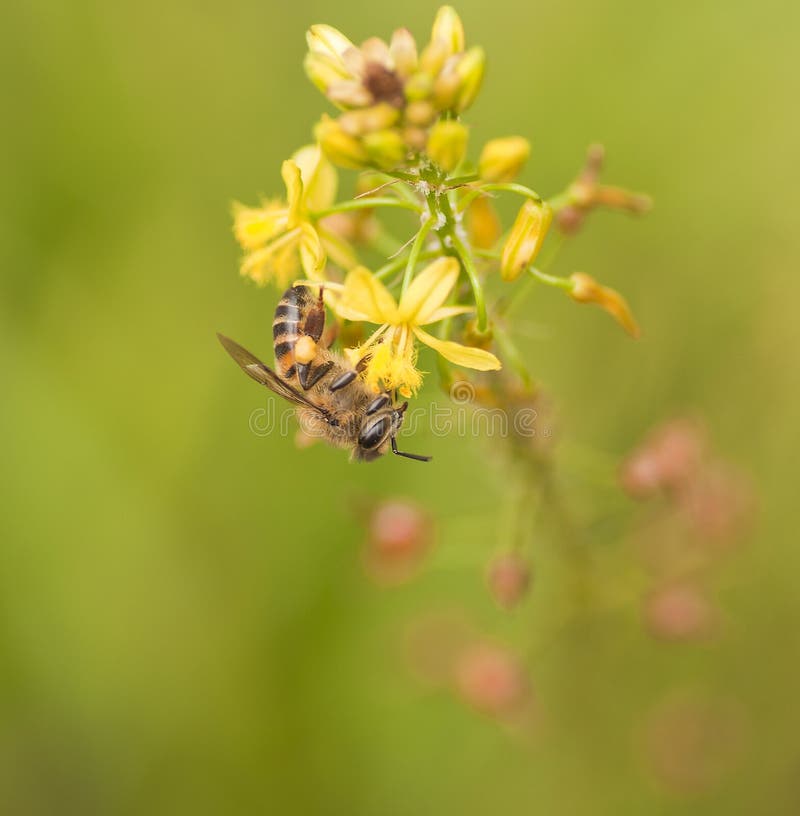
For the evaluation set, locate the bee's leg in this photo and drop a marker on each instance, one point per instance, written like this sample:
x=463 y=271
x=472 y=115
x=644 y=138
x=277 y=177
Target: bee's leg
x=307 y=378
x=343 y=379
x=379 y=402
x=315 y=319
x=415 y=456
x=329 y=336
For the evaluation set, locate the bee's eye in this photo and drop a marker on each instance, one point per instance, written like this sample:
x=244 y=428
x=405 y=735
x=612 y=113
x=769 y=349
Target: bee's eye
x=374 y=434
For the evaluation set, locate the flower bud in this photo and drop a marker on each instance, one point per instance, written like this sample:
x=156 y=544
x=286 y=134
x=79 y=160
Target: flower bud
x=325 y=62
x=403 y=50
x=470 y=68
x=366 y=120
x=447 y=144
x=508 y=578
x=418 y=87
x=483 y=224
x=415 y=137
x=526 y=238
x=433 y=58
x=386 y=148
x=340 y=147
x=586 y=289
x=492 y=680
x=400 y=533
x=680 y=612
x=448 y=30
x=420 y=113
x=502 y=159
x=447 y=85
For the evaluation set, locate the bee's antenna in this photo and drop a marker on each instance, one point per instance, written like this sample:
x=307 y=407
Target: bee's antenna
x=415 y=456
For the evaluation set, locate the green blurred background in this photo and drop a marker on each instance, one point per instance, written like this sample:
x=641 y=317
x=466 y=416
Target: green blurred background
x=185 y=626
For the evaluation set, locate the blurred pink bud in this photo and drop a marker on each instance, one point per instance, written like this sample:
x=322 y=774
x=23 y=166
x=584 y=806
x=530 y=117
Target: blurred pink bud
x=719 y=503
x=667 y=459
x=692 y=741
x=492 y=680
x=508 y=577
x=680 y=612
x=400 y=532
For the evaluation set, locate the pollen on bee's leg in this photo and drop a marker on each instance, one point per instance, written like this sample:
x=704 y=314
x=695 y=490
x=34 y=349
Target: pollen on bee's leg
x=305 y=350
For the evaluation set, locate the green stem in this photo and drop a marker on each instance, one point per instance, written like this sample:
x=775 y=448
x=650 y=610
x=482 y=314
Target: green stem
x=551 y=280
x=474 y=279
x=455 y=182
x=510 y=187
x=416 y=248
x=366 y=204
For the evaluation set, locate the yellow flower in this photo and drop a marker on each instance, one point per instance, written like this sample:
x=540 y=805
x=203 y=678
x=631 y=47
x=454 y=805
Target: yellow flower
x=278 y=237
x=391 y=349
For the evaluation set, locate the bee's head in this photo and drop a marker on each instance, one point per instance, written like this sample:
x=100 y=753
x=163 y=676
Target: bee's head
x=378 y=428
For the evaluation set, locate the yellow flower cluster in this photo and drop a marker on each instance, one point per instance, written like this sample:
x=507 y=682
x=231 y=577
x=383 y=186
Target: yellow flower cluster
x=393 y=95
x=399 y=123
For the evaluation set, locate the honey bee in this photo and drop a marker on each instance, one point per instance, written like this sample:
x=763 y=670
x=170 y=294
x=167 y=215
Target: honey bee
x=331 y=399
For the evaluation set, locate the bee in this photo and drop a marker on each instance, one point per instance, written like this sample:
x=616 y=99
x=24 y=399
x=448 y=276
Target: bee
x=332 y=400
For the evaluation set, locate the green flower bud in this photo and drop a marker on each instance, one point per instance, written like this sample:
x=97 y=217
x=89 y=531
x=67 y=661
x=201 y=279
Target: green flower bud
x=470 y=68
x=339 y=146
x=386 y=148
x=418 y=87
x=447 y=144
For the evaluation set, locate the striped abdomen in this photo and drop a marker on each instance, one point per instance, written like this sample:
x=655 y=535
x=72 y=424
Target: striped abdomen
x=291 y=319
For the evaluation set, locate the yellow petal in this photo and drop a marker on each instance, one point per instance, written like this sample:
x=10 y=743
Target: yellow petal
x=318 y=176
x=448 y=311
x=253 y=226
x=312 y=255
x=466 y=356
x=278 y=260
x=428 y=291
x=366 y=298
x=290 y=173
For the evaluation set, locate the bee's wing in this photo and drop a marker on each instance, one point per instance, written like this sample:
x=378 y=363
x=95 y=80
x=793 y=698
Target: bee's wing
x=263 y=374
